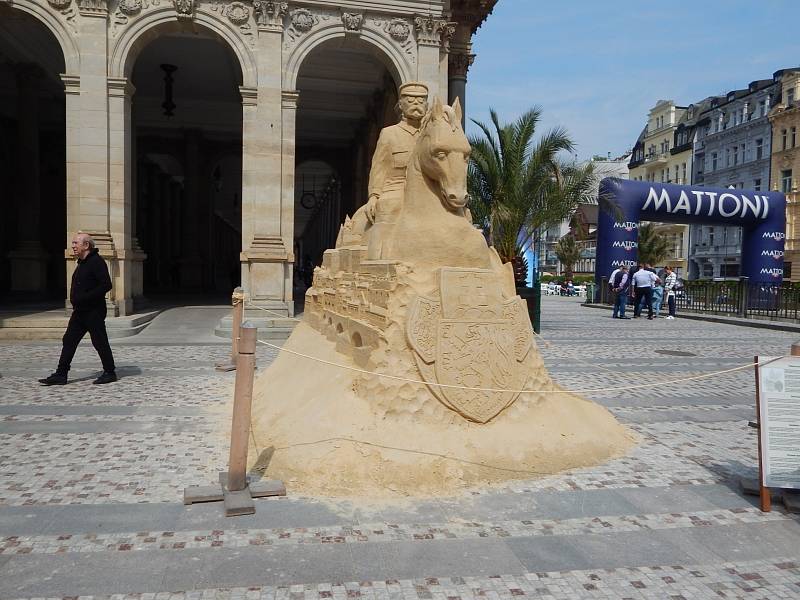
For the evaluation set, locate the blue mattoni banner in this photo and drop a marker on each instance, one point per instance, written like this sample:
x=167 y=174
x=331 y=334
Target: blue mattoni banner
x=762 y=215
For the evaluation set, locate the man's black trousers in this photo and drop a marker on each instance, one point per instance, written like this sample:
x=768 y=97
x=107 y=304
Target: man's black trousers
x=92 y=321
x=647 y=294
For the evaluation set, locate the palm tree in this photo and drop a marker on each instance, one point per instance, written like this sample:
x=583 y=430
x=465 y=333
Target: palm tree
x=568 y=253
x=519 y=187
x=653 y=247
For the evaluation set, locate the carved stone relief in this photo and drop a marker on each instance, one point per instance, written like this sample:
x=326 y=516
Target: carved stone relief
x=130 y=7
x=237 y=13
x=302 y=21
x=459 y=63
x=92 y=7
x=399 y=31
x=269 y=14
x=184 y=8
x=59 y=4
x=433 y=32
x=352 y=21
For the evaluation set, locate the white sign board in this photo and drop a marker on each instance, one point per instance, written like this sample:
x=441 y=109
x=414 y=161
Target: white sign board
x=779 y=421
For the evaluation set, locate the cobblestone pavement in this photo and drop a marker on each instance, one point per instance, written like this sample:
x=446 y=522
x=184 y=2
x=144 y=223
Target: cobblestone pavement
x=91 y=479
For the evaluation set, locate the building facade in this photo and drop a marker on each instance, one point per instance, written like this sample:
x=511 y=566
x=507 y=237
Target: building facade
x=732 y=150
x=785 y=121
x=202 y=143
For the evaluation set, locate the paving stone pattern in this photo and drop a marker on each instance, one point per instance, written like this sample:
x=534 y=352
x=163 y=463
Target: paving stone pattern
x=91 y=479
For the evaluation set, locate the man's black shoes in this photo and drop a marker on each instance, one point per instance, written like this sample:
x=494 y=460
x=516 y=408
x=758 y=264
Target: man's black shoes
x=106 y=377
x=54 y=379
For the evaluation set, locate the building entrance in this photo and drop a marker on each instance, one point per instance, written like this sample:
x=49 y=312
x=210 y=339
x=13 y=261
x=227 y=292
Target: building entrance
x=32 y=163
x=187 y=143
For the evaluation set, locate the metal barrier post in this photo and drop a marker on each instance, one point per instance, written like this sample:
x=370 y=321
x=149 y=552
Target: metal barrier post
x=743 y=296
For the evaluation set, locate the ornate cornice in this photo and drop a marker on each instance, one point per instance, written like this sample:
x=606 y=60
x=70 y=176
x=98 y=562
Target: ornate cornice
x=459 y=63
x=184 y=8
x=290 y=98
x=352 y=21
x=249 y=95
x=72 y=84
x=433 y=32
x=120 y=87
x=270 y=14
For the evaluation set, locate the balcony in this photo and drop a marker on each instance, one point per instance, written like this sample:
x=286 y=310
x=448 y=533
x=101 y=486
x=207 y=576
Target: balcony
x=655 y=158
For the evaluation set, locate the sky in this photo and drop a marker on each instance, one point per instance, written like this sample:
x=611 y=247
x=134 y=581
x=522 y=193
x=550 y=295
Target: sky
x=597 y=68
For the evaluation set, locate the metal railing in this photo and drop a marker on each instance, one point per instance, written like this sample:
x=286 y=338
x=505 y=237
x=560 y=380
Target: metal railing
x=734 y=298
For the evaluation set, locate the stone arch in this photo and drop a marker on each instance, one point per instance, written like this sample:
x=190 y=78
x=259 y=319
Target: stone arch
x=67 y=42
x=397 y=64
x=163 y=21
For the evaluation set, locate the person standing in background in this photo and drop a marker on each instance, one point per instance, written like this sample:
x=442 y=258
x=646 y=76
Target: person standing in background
x=670 y=280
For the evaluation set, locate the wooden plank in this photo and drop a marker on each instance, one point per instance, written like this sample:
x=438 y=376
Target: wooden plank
x=202 y=493
x=265 y=488
x=239 y=503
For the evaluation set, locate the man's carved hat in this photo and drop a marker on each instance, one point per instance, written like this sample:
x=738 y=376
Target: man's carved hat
x=413 y=88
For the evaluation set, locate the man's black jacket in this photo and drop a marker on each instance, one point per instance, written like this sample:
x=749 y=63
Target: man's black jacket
x=90 y=282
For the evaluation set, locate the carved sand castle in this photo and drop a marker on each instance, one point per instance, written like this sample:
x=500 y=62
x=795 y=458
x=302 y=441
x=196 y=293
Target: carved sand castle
x=433 y=304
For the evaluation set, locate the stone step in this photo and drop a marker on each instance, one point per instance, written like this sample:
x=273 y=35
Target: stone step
x=51 y=325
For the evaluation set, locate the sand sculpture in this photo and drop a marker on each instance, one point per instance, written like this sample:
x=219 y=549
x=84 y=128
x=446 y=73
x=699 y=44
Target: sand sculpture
x=413 y=291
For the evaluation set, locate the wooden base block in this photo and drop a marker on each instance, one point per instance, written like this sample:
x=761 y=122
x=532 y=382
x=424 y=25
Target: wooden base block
x=202 y=493
x=264 y=489
x=239 y=503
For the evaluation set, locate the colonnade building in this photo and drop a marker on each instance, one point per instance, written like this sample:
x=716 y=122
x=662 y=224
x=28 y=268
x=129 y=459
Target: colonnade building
x=202 y=143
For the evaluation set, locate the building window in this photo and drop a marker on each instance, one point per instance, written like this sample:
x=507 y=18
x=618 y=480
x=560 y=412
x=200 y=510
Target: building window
x=736 y=155
x=759 y=148
x=793 y=131
x=683 y=173
x=676 y=174
x=783 y=137
x=786 y=181
x=762 y=108
x=713 y=161
x=757 y=185
x=790 y=95
x=727 y=157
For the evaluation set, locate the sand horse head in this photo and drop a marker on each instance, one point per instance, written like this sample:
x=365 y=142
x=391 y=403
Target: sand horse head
x=442 y=153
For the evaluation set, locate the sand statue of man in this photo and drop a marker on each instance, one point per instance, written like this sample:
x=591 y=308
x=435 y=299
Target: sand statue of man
x=387 y=177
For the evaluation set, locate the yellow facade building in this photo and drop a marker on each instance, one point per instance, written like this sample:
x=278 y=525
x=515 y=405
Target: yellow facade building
x=785 y=167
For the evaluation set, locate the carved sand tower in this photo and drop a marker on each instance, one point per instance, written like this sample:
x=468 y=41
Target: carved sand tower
x=435 y=351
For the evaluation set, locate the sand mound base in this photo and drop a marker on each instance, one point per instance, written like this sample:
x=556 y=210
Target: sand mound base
x=317 y=435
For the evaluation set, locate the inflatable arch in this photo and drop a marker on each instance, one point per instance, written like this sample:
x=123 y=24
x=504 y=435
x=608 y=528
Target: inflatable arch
x=762 y=215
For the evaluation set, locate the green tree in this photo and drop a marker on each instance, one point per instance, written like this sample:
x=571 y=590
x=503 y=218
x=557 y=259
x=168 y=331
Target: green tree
x=653 y=247
x=519 y=187
x=568 y=253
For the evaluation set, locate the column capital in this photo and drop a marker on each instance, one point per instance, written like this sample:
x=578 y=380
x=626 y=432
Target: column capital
x=459 y=63
x=120 y=87
x=290 y=98
x=434 y=32
x=249 y=95
x=93 y=8
x=269 y=15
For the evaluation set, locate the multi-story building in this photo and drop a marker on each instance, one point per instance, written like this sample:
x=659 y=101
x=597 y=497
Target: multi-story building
x=663 y=153
x=785 y=121
x=732 y=149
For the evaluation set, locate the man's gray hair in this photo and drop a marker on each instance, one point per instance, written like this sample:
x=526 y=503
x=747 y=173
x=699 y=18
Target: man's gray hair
x=89 y=239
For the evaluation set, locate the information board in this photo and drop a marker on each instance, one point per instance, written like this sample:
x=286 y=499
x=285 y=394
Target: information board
x=779 y=421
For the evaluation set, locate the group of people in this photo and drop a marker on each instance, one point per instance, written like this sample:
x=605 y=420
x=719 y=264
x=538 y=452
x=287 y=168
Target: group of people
x=645 y=288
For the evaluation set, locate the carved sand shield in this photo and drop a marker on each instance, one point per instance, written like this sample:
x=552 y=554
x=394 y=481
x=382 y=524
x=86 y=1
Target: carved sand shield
x=471 y=338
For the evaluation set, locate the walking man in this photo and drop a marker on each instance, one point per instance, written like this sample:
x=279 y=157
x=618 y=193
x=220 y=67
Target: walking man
x=670 y=279
x=87 y=294
x=619 y=287
x=643 y=281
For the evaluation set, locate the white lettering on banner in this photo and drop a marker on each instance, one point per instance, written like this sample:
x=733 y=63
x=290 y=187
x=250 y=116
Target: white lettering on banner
x=722 y=210
x=774 y=235
x=627 y=244
x=712 y=199
x=776 y=254
x=754 y=206
x=773 y=271
x=658 y=201
x=623 y=263
x=626 y=225
x=759 y=205
x=683 y=204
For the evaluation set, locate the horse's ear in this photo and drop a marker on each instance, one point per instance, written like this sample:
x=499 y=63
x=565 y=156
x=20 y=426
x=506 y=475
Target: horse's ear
x=437 y=112
x=457 y=110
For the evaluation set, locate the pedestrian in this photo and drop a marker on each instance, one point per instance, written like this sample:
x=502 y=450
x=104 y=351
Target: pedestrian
x=619 y=288
x=87 y=294
x=643 y=281
x=658 y=297
x=670 y=281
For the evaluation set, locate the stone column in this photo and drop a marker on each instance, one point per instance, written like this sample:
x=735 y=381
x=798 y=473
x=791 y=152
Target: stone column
x=128 y=274
x=267 y=218
x=432 y=38
x=91 y=213
x=459 y=61
x=28 y=259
